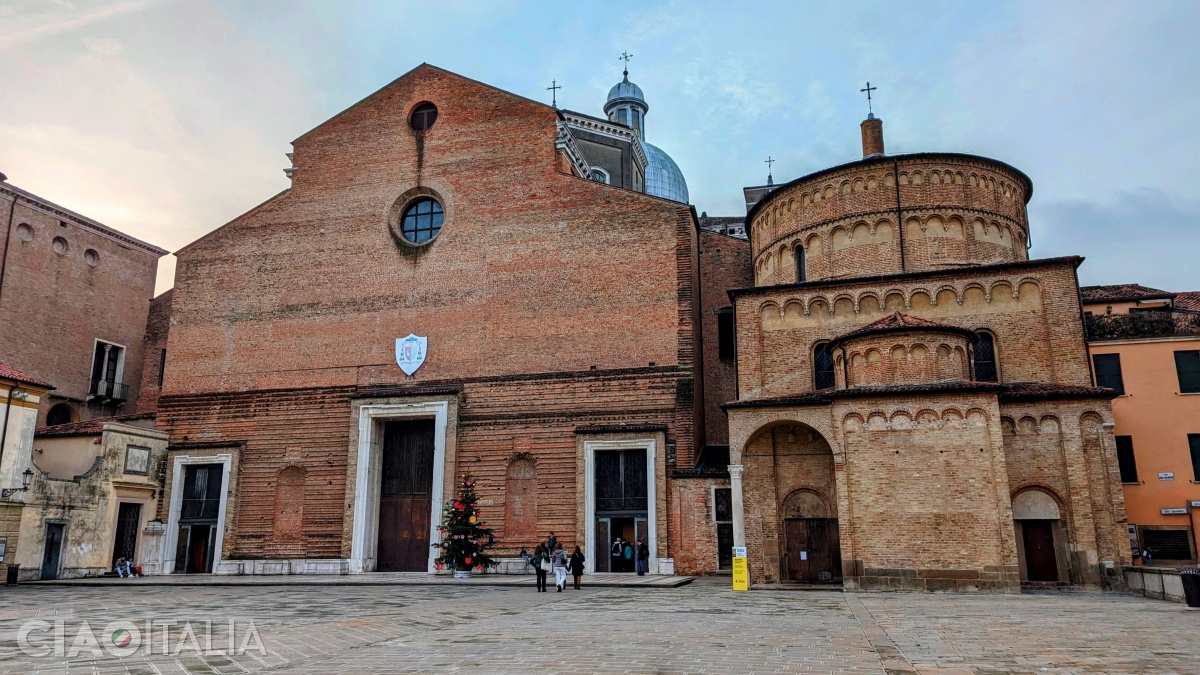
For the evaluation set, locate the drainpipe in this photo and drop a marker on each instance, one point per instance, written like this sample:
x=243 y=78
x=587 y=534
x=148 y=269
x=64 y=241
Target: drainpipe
x=7 y=238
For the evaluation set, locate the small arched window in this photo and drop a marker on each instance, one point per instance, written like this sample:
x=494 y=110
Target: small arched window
x=801 y=274
x=59 y=414
x=984 y=348
x=823 y=373
x=600 y=176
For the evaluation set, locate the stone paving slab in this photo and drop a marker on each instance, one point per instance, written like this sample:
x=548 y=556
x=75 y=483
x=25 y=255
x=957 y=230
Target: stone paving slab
x=700 y=627
x=371 y=579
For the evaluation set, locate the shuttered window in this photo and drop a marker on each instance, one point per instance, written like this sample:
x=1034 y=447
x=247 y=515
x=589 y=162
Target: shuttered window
x=1125 y=459
x=1187 y=366
x=1108 y=371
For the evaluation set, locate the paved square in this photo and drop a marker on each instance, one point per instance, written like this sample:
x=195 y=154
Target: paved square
x=701 y=627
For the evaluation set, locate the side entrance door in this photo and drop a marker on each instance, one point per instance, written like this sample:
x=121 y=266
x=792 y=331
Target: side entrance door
x=1040 y=562
x=814 y=550
x=125 y=545
x=52 y=554
x=406 y=496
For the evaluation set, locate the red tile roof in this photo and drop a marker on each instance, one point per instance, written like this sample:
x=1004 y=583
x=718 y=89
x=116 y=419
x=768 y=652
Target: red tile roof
x=1189 y=300
x=92 y=427
x=898 y=321
x=1121 y=293
x=7 y=372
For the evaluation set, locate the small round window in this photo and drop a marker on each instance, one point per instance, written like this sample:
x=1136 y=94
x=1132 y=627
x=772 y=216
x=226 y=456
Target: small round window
x=423 y=116
x=422 y=220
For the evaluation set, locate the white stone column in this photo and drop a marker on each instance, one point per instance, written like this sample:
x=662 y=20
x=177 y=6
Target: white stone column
x=739 y=513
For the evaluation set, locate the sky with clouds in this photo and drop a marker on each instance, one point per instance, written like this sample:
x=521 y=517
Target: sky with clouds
x=166 y=119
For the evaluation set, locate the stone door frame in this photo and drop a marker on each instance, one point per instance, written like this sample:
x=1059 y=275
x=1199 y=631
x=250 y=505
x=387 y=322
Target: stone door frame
x=170 y=544
x=590 y=446
x=364 y=542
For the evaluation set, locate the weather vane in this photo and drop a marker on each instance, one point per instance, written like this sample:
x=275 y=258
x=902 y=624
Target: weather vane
x=869 y=89
x=625 y=56
x=553 y=89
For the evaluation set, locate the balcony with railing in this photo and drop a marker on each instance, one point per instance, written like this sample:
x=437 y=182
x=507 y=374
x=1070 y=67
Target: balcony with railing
x=1142 y=325
x=107 y=390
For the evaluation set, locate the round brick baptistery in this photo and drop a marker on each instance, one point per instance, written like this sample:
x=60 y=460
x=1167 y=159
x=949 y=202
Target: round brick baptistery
x=945 y=210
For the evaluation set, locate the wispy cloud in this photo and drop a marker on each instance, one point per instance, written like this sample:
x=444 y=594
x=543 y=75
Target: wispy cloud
x=23 y=23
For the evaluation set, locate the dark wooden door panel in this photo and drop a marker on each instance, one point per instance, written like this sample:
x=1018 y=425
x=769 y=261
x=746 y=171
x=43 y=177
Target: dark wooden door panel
x=796 y=532
x=1040 y=562
x=128 y=518
x=814 y=551
x=406 y=498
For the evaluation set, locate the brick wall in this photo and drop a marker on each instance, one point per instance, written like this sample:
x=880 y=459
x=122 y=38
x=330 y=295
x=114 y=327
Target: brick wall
x=724 y=264
x=154 y=345
x=553 y=301
x=67 y=282
x=954 y=210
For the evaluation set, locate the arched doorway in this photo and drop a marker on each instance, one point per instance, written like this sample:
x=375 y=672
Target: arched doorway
x=790 y=502
x=812 y=538
x=1039 y=535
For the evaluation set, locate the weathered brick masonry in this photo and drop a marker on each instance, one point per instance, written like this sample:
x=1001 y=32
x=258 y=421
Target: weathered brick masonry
x=550 y=303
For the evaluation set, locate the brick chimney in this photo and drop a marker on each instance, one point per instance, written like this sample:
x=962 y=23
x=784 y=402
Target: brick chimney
x=872 y=136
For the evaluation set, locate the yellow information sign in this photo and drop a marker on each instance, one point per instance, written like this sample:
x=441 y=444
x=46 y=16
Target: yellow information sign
x=741 y=569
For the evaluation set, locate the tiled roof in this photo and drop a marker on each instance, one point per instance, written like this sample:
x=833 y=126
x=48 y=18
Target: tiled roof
x=90 y=427
x=1189 y=300
x=898 y=321
x=7 y=372
x=1026 y=391
x=1121 y=293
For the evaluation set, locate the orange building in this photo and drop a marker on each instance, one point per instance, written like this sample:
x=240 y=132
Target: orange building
x=1145 y=343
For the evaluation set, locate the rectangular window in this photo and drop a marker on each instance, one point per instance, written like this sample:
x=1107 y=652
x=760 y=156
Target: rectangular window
x=725 y=335
x=201 y=492
x=723 y=515
x=162 y=366
x=1194 y=447
x=1173 y=544
x=1108 y=371
x=1187 y=366
x=1125 y=459
x=108 y=361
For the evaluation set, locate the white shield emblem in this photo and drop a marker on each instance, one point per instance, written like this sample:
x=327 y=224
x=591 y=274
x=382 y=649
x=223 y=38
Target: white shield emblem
x=410 y=353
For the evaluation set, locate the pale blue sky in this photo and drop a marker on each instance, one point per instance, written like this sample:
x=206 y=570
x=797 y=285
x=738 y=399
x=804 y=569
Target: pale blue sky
x=166 y=119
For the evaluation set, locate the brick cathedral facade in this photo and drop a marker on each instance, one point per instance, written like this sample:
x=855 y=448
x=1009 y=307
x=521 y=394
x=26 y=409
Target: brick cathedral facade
x=823 y=393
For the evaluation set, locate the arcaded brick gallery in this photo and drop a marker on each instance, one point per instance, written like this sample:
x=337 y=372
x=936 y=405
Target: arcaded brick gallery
x=878 y=388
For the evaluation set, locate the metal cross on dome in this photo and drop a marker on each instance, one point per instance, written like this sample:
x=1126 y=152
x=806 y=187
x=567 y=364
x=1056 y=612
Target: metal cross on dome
x=553 y=89
x=625 y=56
x=769 y=161
x=869 y=89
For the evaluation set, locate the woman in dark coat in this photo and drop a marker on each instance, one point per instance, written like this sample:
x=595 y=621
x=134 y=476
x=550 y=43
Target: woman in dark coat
x=540 y=556
x=577 y=561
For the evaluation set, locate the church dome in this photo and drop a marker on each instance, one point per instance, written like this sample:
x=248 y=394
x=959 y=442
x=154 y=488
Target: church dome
x=663 y=177
x=626 y=91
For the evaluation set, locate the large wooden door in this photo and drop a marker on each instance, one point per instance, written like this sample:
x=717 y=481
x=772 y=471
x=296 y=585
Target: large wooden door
x=814 y=550
x=405 y=496
x=1040 y=562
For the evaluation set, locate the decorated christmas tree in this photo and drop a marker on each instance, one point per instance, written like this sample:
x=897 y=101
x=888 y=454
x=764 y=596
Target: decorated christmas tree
x=465 y=538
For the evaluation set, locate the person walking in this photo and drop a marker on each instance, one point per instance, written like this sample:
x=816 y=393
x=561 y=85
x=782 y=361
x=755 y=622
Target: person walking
x=643 y=557
x=628 y=555
x=551 y=543
x=617 y=550
x=559 y=561
x=577 y=561
x=541 y=565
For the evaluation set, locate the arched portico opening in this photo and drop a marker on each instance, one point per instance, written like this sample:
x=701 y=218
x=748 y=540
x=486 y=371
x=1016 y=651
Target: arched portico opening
x=790 y=504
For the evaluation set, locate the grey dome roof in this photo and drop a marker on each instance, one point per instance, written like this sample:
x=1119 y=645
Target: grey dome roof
x=625 y=91
x=663 y=177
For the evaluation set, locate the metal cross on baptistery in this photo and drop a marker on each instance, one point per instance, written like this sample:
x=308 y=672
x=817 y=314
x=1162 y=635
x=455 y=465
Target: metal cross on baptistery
x=869 y=89
x=625 y=56
x=553 y=89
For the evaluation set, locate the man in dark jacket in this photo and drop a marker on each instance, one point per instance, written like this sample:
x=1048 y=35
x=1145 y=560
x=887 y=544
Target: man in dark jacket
x=643 y=557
